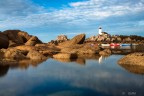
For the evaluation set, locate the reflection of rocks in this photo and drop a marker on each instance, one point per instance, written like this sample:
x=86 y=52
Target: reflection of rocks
x=133 y=59
x=80 y=61
x=64 y=60
x=89 y=56
x=81 y=58
x=3 y=70
x=133 y=68
x=23 y=64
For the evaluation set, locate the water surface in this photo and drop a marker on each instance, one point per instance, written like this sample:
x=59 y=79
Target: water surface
x=100 y=76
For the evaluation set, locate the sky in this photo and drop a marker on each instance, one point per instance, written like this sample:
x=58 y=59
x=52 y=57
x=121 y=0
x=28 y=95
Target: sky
x=47 y=19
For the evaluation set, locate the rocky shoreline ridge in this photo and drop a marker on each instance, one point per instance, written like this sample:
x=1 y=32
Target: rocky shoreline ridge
x=17 y=45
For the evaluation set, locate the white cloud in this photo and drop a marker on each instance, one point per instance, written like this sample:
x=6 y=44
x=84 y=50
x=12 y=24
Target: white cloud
x=23 y=13
x=10 y=8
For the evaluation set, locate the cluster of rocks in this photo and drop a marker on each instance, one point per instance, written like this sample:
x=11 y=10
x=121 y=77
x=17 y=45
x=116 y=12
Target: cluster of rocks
x=16 y=45
x=60 y=39
x=100 y=37
x=12 y=38
x=107 y=38
x=76 y=48
x=133 y=62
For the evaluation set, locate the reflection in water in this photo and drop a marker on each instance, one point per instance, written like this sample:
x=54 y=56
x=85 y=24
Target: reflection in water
x=80 y=61
x=134 y=68
x=3 y=70
x=102 y=59
x=126 y=49
x=22 y=64
x=53 y=78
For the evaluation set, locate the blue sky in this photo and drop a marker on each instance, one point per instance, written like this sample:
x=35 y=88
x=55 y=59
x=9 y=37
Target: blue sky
x=49 y=18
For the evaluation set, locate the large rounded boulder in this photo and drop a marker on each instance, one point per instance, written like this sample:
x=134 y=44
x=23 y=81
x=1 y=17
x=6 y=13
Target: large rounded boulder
x=133 y=59
x=17 y=36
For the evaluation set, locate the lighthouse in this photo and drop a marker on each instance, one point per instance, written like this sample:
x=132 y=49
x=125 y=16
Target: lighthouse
x=100 y=30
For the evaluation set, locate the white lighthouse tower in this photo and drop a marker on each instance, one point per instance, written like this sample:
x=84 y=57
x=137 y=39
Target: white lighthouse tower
x=100 y=30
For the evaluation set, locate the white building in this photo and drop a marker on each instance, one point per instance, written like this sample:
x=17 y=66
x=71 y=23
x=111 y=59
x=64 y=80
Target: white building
x=100 y=30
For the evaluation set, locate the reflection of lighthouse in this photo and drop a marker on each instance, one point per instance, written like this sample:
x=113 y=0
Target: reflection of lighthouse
x=100 y=30
x=100 y=59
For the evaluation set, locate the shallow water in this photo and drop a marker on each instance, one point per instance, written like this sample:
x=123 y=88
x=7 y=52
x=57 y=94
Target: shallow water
x=100 y=76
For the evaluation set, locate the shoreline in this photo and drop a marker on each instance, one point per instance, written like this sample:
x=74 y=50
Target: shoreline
x=19 y=45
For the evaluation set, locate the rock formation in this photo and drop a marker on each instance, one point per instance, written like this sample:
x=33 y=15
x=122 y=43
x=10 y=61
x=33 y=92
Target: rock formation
x=17 y=36
x=133 y=59
x=33 y=41
x=65 y=56
x=62 y=38
x=13 y=38
x=79 y=39
x=4 y=41
x=105 y=52
x=35 y=55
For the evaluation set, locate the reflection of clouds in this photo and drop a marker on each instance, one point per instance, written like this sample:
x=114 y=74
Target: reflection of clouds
x=107 y=78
